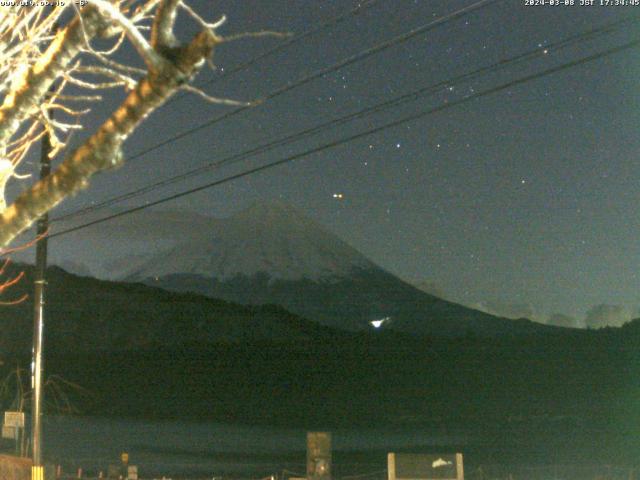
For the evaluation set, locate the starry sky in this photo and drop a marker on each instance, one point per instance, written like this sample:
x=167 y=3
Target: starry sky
x=524 y=200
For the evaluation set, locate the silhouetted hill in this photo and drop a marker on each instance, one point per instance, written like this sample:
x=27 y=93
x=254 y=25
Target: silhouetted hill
x=88 y=315
x=145 y=352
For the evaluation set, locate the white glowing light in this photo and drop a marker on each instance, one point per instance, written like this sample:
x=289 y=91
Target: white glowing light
x=378 y=323
x=339 y=196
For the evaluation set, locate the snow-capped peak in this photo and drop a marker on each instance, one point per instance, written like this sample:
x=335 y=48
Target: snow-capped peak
x=266 y=238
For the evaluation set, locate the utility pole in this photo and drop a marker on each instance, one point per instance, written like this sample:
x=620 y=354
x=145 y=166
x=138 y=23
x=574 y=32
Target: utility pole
x=37 y=469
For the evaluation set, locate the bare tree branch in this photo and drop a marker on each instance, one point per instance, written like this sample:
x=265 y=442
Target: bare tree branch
x=162 y=31
x=148 y=54
x=32 y=85
x=103 y=149
x=31 y=61
x=210 y=99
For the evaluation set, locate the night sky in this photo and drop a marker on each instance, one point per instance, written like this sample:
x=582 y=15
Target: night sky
x=526 y=199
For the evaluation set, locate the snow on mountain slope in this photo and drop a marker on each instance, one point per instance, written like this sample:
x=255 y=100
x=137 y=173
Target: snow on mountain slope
x=273 y=238
x=273 y=254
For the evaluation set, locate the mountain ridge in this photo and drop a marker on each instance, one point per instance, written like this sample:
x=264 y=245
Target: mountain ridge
x=85 y=314
x=273 y=253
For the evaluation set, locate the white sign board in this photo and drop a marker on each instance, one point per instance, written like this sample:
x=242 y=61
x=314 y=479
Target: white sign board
x=409 y=466
x=9 y=432
x=14 y=419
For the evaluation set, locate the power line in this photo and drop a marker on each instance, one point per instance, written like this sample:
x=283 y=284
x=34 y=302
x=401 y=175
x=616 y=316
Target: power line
x=319 y=73
x=351 y=138
x=411 y=96
x=327 y=70
x=282 y=45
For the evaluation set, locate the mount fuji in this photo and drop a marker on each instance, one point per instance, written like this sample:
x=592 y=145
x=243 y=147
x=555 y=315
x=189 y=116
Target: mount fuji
x=273 y=254
x=273 y=239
